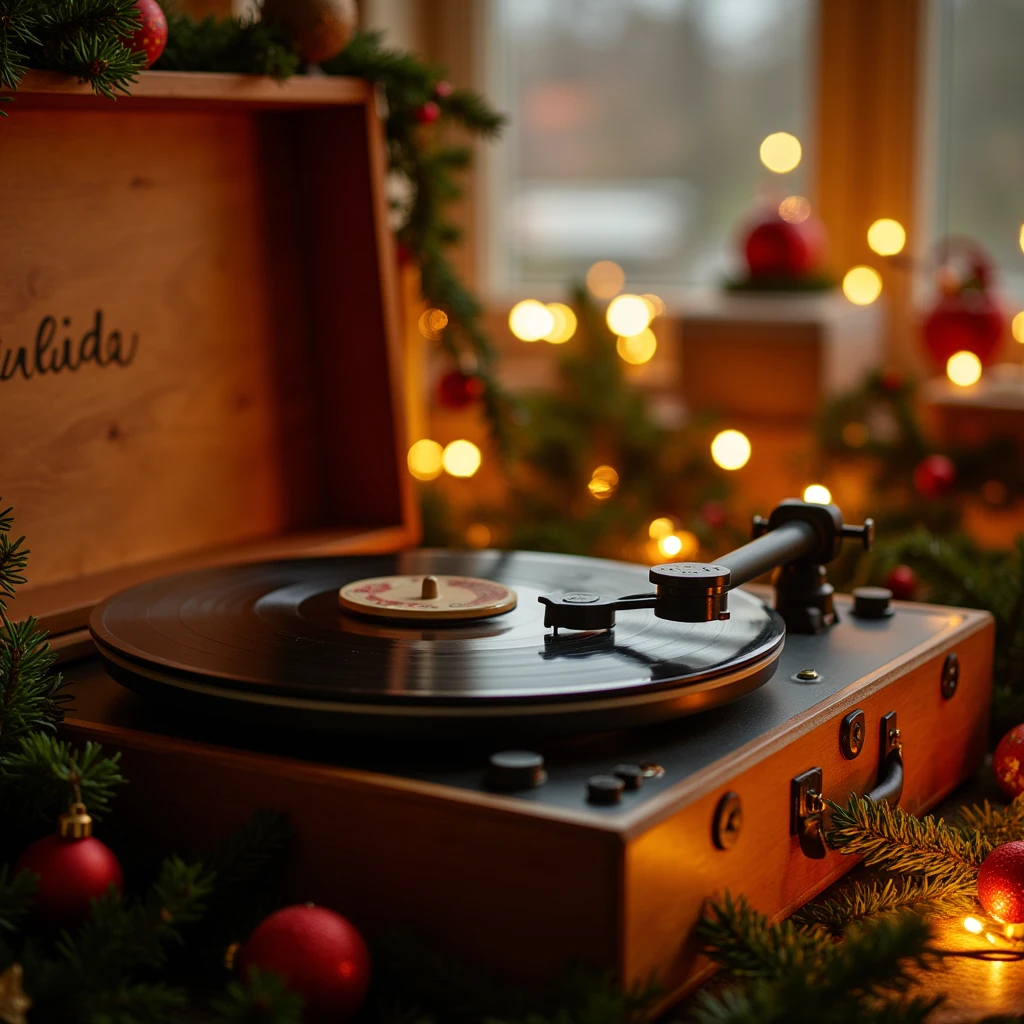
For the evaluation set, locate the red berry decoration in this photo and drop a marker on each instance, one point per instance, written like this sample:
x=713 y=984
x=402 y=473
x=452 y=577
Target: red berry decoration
x=443 y=90
x=456 y=390
x=902 y=581
x=775 y=247
x=151 y=37
x=428 y=113
x=318 y=953
x=966 y=316
x=1008 y=762
x=934 y=476
x=1001 y=883
x=73 y=868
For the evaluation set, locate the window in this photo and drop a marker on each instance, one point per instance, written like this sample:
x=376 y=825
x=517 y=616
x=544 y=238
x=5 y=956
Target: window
x=635 y=131
x=979 y=191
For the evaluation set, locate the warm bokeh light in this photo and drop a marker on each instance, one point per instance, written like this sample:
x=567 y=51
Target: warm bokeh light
x=781 y=152
x=679 y=545
x=973 y=925
x=964 y=368
x=424 y=459
x=432 y=322
x=628 y=315
x=1020 y=237
x=639 y=348
x=564 y=323
x=660 y=527
x=461 y=458
x=855 y=434
x=654 y=303
x=730 y=449
x=1017 y=327
x=819 y=494
x=478 y=535
x=605 y=279
x=862 y=285
x=603 y=482
x=794 y=209
x=886 y=236
x=530 y=320
x=670 y=546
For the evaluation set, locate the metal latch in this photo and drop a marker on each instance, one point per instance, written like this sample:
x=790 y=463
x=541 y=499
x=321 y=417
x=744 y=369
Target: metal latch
x=807 y=806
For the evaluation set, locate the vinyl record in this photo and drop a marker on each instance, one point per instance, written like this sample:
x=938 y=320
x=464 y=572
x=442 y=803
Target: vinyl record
x=269 y=642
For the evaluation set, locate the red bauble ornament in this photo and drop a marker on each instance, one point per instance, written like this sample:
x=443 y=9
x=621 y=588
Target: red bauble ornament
x=428 y=113
x=318 y=953
x=713 y=513
x=1001 y=883
x=934 y=476
x=966 y=316
x=73 y=868
x=1008 y=762
x=151 y=37
x=774 y=247
x=456 y=390
x=443 y=90
x=902 y=581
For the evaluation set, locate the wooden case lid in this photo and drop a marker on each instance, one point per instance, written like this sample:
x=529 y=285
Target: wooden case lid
x=198 y=329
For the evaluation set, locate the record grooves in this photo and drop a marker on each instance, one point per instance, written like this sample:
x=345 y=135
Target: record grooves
x=269 y=642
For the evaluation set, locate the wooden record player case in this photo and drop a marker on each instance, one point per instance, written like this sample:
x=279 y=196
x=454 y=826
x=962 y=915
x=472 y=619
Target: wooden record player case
x=199 y=355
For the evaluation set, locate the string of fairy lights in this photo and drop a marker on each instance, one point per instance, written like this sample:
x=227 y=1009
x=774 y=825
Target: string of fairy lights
x=630 y=315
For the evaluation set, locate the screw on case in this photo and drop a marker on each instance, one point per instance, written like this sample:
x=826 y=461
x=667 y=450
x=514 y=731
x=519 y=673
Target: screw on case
x=725 y=829
x=950 y=675
x=851 y=734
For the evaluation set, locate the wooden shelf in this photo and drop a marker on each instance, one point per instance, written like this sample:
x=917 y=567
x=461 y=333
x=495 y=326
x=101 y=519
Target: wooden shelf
x=176 y=89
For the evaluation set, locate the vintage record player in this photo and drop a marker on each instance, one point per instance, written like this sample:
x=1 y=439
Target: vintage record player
x=528 y=758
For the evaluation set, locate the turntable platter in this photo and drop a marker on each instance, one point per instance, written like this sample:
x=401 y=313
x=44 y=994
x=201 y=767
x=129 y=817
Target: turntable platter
x=269 y=642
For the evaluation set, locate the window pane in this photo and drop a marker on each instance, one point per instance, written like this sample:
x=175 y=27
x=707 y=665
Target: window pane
x=980 y=189
x=635 y=130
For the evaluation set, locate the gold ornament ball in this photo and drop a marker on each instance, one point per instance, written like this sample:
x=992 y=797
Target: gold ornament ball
x=320 y=28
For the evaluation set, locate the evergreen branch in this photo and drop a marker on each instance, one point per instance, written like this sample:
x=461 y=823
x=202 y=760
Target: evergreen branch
x=232 y=45
x=30 y=697
x=15 y=898
x=472 y=111
x=861 y=900
x=122 y=936
x=863 y=978
x=13 y=557
x=261 y=999
x=41 y=775
x=891 y=839
x=63 y=20
x=997 y=825
x=743 y=939
x=106 y=64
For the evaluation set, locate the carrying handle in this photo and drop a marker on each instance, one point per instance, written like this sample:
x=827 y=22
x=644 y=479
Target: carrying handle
x=807 y=806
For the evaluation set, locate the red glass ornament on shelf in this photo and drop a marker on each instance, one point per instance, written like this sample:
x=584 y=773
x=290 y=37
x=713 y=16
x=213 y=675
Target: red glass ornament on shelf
x=966 y=317
x=1008 y=762
x=934 y=476
x=774 y=247
x=428 y=113
x=902 y=581
x=151 y=37
x=320 y=955
x=457 y=390
x=1001 y=883
x=73 y=868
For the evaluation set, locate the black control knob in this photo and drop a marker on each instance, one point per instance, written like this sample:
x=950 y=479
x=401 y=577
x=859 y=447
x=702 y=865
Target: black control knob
x=632 y=775
x=510 y=770
x=605 y=789
x=872 y=602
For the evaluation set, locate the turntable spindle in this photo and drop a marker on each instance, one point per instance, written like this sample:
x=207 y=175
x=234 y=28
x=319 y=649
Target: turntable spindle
x=429 y=590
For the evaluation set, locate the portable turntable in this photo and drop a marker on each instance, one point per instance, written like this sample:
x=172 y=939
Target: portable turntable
x=553 y=780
